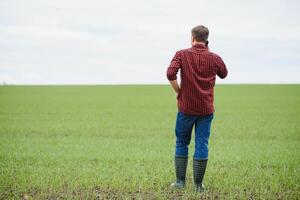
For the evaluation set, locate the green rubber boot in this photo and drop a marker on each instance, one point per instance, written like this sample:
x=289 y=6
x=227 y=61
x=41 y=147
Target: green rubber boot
x=199 y=167
x=180 y=168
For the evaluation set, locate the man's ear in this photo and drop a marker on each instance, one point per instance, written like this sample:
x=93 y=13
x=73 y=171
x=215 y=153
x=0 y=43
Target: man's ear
x=192 y=40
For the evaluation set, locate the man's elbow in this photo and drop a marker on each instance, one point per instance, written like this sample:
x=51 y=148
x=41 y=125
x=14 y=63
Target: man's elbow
x=223 y=75
x=171 y=77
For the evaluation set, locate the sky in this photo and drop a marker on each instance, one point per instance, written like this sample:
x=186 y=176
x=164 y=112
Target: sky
x=133 y=41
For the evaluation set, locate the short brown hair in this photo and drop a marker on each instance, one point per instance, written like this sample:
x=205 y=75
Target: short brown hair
x=200 y=33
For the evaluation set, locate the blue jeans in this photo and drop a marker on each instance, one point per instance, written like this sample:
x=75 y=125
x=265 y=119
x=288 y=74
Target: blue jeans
x=183 y=130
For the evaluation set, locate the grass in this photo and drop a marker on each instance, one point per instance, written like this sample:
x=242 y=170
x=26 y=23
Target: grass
x=117 y=142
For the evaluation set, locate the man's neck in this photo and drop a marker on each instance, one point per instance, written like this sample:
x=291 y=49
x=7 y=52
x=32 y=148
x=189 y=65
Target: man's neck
x=195 y=43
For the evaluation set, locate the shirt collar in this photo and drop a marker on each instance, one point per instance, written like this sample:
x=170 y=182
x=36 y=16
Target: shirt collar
x=200 y=46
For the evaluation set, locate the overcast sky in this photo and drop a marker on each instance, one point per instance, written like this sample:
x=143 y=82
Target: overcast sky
x=133 y=41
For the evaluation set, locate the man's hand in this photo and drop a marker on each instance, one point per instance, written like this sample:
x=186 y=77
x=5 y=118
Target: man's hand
x=177 y=95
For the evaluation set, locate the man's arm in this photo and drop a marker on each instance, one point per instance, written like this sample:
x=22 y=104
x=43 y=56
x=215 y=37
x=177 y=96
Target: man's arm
x=172 y=71
x=221 y=67
x=175 y=86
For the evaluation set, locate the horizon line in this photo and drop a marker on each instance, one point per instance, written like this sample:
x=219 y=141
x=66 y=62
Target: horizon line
x=139 y=84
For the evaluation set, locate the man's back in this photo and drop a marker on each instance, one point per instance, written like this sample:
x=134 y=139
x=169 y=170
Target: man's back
x=198 y=69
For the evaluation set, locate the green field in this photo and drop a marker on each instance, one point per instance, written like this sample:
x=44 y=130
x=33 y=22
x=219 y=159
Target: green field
x=117 y=142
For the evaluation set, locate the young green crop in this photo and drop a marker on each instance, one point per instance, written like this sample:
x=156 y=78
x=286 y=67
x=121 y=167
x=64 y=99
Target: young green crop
x=118 y=142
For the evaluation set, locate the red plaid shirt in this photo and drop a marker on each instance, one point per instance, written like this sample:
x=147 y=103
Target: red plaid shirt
x=198 y=69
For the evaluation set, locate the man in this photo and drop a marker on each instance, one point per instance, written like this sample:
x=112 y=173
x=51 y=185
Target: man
x=195 y=99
